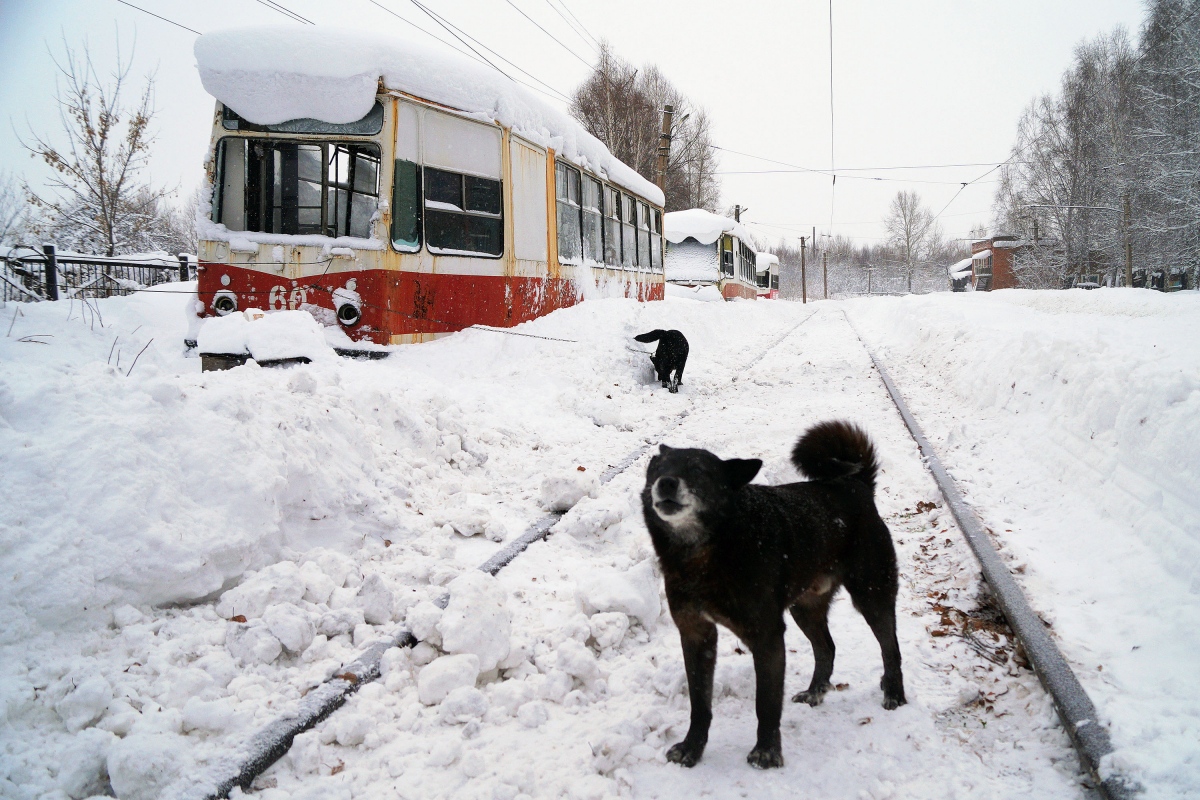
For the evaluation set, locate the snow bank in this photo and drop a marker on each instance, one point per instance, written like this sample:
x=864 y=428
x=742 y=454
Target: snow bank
x=269 y=336
x=272 y=74
x=703 y=226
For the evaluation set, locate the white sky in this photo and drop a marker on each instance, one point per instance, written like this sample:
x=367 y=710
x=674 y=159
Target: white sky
x=918 y=82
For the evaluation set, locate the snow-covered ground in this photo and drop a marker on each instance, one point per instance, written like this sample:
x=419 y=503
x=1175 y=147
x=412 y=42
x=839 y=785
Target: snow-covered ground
x=186 y=554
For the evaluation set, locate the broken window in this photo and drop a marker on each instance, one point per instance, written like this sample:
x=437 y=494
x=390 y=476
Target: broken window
x=297 y=188
x=593 y=228
x=369 y=125
x=628 y=239
x=656 y=248
x=612 y=227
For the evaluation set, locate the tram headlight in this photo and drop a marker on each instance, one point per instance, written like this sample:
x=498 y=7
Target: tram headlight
x=224 y=303
x=348 y=314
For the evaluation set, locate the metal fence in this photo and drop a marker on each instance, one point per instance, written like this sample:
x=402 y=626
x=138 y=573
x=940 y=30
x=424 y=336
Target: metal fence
x=29 y=275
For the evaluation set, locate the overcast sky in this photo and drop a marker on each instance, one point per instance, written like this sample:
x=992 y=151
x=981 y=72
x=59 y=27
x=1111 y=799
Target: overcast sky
x=915 y=83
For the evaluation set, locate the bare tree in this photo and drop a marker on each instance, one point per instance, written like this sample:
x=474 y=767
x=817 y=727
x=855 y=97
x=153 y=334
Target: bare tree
x=911 y=230
x=621 y=106
x=13 y=210
x=99 y=201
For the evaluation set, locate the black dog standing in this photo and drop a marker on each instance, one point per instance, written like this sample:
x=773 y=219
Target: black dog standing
x=670 y=357
x=740 y=554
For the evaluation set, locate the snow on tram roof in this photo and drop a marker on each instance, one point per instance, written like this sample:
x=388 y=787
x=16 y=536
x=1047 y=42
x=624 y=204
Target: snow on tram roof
x=703 y=226
x=271 y=74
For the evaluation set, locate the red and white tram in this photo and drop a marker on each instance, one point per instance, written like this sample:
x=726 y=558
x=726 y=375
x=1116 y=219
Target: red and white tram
x=768 y=275
x=399 y=193
x=706 y=249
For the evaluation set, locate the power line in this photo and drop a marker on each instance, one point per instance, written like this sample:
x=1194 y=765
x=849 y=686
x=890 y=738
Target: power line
x=548 y=33
x=560 y=95
x=287 y=12
x=849 y=177
x=582 y=27
x=554 y=8
x=430 y=34
x=164 y=19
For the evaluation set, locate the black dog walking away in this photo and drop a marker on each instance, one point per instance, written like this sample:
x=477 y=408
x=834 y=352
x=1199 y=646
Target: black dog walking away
x=670 y=357
x=740 y=554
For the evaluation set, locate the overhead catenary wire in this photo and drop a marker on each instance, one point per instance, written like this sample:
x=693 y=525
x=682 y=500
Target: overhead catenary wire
x=157 y=16
x=287 y=12
x=582 y=27
x=455 y=47
x=582 y=38
x=551 y=35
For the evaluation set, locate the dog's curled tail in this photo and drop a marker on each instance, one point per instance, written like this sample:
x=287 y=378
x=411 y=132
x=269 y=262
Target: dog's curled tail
x=836 y=449
x=652 y=336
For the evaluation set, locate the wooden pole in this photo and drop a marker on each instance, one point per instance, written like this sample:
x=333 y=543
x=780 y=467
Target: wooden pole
x=664 y=146
x=1128 y=243
x=825 y=272
x=803 y=275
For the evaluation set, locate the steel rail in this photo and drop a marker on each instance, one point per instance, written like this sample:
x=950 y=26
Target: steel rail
x=272 y=741
x=1075 y=708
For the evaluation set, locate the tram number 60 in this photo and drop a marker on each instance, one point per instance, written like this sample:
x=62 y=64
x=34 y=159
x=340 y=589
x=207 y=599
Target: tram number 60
x=280 y=298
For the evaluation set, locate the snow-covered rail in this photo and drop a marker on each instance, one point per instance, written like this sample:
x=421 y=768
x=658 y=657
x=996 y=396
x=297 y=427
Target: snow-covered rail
x=274 y=740
x=1074 y=707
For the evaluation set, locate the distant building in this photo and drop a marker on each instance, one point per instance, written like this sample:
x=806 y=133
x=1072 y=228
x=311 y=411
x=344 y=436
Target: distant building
x=992 y=262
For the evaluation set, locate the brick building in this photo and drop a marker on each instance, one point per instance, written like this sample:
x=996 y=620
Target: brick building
x=992 y=262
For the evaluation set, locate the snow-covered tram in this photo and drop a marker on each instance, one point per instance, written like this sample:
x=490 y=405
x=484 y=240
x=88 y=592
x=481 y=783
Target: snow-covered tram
x=706 y=249
x=398 y=193
x=768 y=275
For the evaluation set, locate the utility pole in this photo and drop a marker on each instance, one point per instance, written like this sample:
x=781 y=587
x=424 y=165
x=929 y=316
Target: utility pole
x=1125 y=214
x=803 y=275
x=737 y=213
x=664 y=145
x=825 y=272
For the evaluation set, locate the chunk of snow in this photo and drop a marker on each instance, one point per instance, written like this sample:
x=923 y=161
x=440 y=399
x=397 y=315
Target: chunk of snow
x=84 y=769
x=533 y=714
x=142 y=766
x=608 y=628
x=290 y=625
x=561 y=492
x=463 y=705
x=634 y=592
x=576 y=660
x=252 y=642
x=85 y=704
x=476 y=620
x=278 y=583
x=376 y=599
x=422 y=621
x=443 y=675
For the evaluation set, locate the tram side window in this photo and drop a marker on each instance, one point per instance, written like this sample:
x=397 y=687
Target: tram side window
x=462 y=214
x=593 y=226
x=566 y=191
x=294 y=188
x=406 y=206
x=726 y=255
x=656 y=240
x=643 y=234
x=612 y=227
x=628 y=239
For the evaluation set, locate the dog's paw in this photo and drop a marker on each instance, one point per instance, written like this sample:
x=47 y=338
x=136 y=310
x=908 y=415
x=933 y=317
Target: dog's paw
x=813 y=697
x=766 y=757
x=685 y=754
x=892 y=703
x=893 y=697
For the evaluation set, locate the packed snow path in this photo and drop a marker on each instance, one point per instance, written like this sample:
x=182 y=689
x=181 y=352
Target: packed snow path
x=345 y=478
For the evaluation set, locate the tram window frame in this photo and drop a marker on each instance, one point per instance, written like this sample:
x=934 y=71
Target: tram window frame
x=727 y=260
x=458 y=229
x=592 y=219
x=612 y=227
x=280 y=193
x=656 y=245
x=568 y=213
x=643 y=236
x=628 y=231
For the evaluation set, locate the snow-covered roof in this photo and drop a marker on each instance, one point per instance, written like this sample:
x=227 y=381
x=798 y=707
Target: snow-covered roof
x=271 y=74
x=982 y=254
x=960 y=269
x=765 y=261
x=703 y=226
x=1009 y=243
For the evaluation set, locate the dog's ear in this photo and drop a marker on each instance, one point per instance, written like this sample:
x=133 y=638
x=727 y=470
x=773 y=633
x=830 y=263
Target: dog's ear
x=664 y=449
x=740 y=471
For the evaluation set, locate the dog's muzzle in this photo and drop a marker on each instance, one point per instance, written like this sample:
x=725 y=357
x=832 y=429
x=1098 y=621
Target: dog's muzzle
x=671 y=497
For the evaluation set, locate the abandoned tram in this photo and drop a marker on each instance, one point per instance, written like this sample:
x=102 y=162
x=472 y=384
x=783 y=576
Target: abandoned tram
x=456 y=199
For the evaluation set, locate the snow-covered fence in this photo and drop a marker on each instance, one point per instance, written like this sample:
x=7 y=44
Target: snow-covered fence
x=29 y=275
